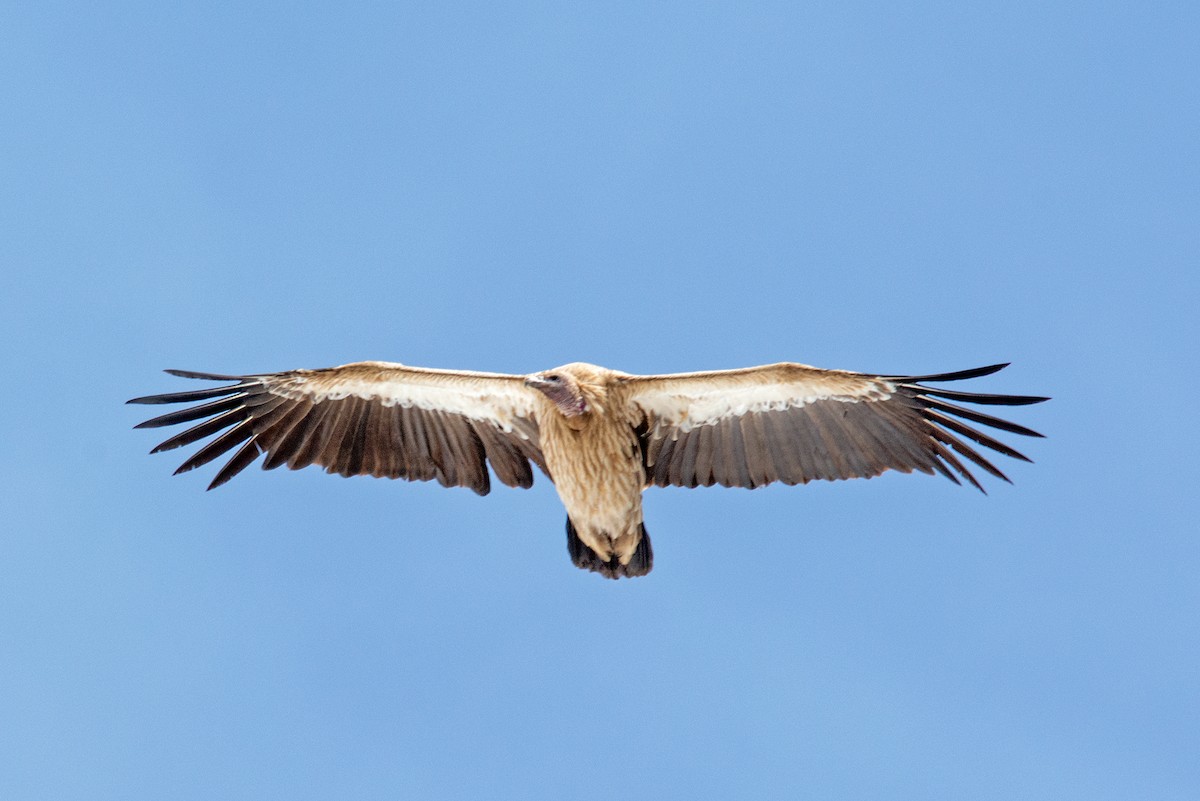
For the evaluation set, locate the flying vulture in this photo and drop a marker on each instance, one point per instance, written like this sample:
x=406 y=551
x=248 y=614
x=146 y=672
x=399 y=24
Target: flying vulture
x=600 y=435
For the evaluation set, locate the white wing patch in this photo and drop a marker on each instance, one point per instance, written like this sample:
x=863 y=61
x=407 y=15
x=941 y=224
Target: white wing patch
x=496 y=398
x=711 y=404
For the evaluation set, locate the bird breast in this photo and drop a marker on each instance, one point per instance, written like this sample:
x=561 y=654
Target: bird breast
x=597 y=470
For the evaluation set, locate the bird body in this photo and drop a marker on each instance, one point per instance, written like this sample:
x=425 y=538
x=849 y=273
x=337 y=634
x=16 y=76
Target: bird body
x=595 y=459
x=600 y=435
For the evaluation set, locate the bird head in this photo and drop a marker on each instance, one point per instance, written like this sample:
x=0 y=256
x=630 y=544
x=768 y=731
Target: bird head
x=565 y=388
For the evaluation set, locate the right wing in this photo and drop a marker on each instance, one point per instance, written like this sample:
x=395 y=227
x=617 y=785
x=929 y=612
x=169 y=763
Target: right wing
x=367 y=418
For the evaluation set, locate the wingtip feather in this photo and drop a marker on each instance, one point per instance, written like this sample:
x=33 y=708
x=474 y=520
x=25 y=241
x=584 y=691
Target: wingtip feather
x=957 y=375
x=203 y=376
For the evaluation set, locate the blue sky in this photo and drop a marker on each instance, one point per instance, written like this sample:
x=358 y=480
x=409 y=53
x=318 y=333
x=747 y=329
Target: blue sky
x=684 y=186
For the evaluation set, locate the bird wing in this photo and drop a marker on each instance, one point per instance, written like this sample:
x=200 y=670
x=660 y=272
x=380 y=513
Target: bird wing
x=367 y=418
x=794 y=423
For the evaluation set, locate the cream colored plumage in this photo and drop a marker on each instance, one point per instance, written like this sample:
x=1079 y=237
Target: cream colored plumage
x=601 y=436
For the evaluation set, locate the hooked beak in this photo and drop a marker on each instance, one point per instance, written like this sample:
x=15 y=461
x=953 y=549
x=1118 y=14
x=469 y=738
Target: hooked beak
x=535 y=382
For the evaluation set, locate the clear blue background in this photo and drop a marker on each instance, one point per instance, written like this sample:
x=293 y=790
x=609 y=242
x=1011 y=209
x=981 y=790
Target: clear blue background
x=652 y=187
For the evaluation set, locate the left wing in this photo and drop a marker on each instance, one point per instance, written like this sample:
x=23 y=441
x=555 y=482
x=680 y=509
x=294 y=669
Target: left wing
x=368 y=418
x=794 y=423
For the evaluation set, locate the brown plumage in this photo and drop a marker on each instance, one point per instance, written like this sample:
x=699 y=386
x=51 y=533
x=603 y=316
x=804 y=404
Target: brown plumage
x=600 y=435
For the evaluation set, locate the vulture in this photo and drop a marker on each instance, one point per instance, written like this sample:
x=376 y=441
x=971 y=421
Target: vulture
x=601 y=436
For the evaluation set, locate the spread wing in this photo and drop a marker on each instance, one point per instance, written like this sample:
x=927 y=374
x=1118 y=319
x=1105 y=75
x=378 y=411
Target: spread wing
x=367 y=418
x=794 y=423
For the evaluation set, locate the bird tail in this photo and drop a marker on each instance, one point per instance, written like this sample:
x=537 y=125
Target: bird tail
x=585 y=558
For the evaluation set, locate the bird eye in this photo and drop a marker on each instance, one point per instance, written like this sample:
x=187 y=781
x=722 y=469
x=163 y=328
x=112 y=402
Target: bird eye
x=554 y=377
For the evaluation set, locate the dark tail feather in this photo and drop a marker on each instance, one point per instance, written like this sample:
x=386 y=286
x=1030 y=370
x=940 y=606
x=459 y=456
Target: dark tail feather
x=585 y=558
